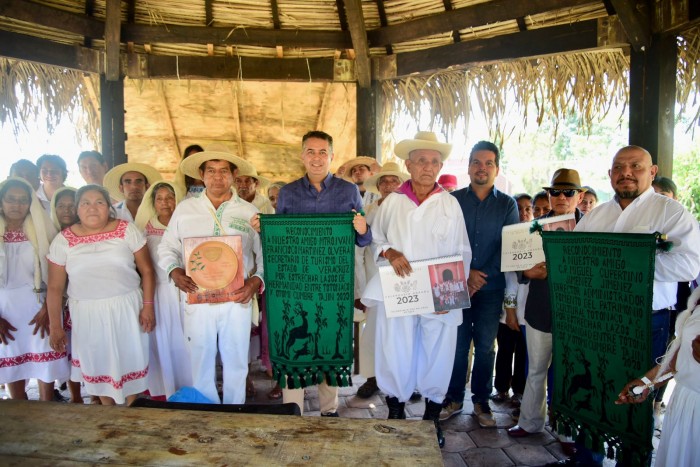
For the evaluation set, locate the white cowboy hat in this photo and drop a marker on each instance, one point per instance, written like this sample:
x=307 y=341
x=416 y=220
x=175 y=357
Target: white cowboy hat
x=390 y=168
x=263 y=182
x=190 y=166
x=422 y=140
x=370 y=162
x=114 y=176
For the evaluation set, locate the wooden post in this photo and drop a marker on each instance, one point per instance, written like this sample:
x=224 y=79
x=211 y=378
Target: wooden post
x=112 y=120
x=653 y=100
x=367 y=134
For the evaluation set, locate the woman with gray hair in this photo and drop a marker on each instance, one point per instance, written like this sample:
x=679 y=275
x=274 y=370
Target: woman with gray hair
x=106 y=264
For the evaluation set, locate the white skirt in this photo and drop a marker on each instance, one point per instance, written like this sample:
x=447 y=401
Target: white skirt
x=681 y=431
x=169 y=366
x=28 y=356
x=109 y=348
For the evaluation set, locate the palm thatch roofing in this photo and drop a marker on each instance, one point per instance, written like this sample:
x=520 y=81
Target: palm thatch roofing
x=257 y=75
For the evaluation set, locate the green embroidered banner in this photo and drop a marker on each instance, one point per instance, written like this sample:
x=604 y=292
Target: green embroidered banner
x=601 y=290
x=309 y=291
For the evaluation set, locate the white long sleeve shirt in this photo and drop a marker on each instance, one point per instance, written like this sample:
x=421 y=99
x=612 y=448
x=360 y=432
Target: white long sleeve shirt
x=649 y=213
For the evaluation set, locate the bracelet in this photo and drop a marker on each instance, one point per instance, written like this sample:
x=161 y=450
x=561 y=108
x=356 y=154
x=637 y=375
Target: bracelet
x=510 y=301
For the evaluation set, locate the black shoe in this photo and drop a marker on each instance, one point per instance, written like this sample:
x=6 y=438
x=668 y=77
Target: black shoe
x=368 y=389
x=330 y=414
x=415 y=396
x=396 y=408
x=58 y=397
x=432 y=412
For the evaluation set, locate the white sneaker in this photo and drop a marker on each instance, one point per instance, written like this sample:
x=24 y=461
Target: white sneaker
x=484 y=415
x=450 y=410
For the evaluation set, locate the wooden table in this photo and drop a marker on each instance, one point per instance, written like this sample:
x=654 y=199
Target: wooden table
x=47 y=433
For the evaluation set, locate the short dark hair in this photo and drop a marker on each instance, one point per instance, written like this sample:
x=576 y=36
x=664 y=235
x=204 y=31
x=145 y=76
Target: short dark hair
x=540 y=195
x=191 y=148
x=320 y=135
x=94 y=154
x=55 y=160
x=665 y=184
x=26 y=163
x=486 y=146
x=231 y=165
x=591 y=191
x=143 y=174
x=520 y=196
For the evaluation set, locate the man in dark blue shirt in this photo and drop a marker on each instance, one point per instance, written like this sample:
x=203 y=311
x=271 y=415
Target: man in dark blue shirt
x=486 y=211
x=319 y=192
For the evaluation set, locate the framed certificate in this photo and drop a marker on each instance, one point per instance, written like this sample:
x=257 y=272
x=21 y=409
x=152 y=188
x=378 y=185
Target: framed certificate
x=215 y=264
x=435 y=285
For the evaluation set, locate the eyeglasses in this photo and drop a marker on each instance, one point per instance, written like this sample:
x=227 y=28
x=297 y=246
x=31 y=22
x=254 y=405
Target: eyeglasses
x=567 y=193
x=16 y=201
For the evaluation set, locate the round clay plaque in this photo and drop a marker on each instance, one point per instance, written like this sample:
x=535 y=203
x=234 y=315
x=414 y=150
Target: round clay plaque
x=213 y=265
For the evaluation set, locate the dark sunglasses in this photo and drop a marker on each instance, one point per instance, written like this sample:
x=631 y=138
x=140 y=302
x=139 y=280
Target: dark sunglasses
x=567 y=193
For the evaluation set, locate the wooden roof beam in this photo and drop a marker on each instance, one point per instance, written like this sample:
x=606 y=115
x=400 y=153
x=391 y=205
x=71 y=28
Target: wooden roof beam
x=557 y=39
x=29 y=12
x=635 y=22
x=112 y=39
x=33 y=49
x=140 y=66
x=356 y=24
x=462 y=18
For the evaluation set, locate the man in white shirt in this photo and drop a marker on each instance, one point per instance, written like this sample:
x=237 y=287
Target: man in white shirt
x=127 y=183
x=358 y=170
x=636 y=208
x=209 y=327
x=419 y=221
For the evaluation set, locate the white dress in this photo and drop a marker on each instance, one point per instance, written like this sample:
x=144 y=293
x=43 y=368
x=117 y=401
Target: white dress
x=169 y=364
x=681 y=431
x=28 y=356
x=109 y=348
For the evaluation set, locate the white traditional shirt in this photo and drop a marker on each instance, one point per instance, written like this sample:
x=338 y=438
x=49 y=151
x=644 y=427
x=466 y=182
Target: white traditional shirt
x=43 y=199
x=649 y=213
x=432 y=229
x=194 y=217
x=123 y=212
x=368 y=198
x=365 y=266
x=263 y=204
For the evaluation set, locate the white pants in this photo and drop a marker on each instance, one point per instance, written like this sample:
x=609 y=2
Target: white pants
x=367 y=342
x=414 y=353
x=327 y=397
x=229 y=325
x=533 y=408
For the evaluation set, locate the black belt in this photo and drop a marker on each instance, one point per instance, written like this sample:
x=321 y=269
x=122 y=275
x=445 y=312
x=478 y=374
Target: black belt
x=668 y=308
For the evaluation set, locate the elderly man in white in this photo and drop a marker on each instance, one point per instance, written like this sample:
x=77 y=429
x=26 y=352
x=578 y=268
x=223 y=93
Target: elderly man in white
x=419 y=221
x=223 y=326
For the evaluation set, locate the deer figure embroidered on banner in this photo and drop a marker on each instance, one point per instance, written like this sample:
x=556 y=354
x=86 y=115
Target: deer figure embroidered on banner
x=300 y=332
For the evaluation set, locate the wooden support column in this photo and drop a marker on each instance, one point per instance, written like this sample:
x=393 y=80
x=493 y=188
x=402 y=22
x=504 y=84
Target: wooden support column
x=653 y=100
x=368 y=134
x=112 y=120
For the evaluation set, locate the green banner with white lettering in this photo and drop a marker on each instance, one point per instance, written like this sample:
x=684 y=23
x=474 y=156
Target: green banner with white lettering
x=309 y=292
x=601 y=291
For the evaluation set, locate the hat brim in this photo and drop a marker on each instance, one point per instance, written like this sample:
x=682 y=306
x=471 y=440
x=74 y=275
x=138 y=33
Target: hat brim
x=372 y=182
x=190 y=166
x=114 y=176
x=361 y=160
x=404 y=148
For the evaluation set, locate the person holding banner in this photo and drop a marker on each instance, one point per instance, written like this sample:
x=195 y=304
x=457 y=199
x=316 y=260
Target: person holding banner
x=637 y=208
x=320 y=192
x=419 y=221
x=209 y=327
x=678 y=446
x=565 y=193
